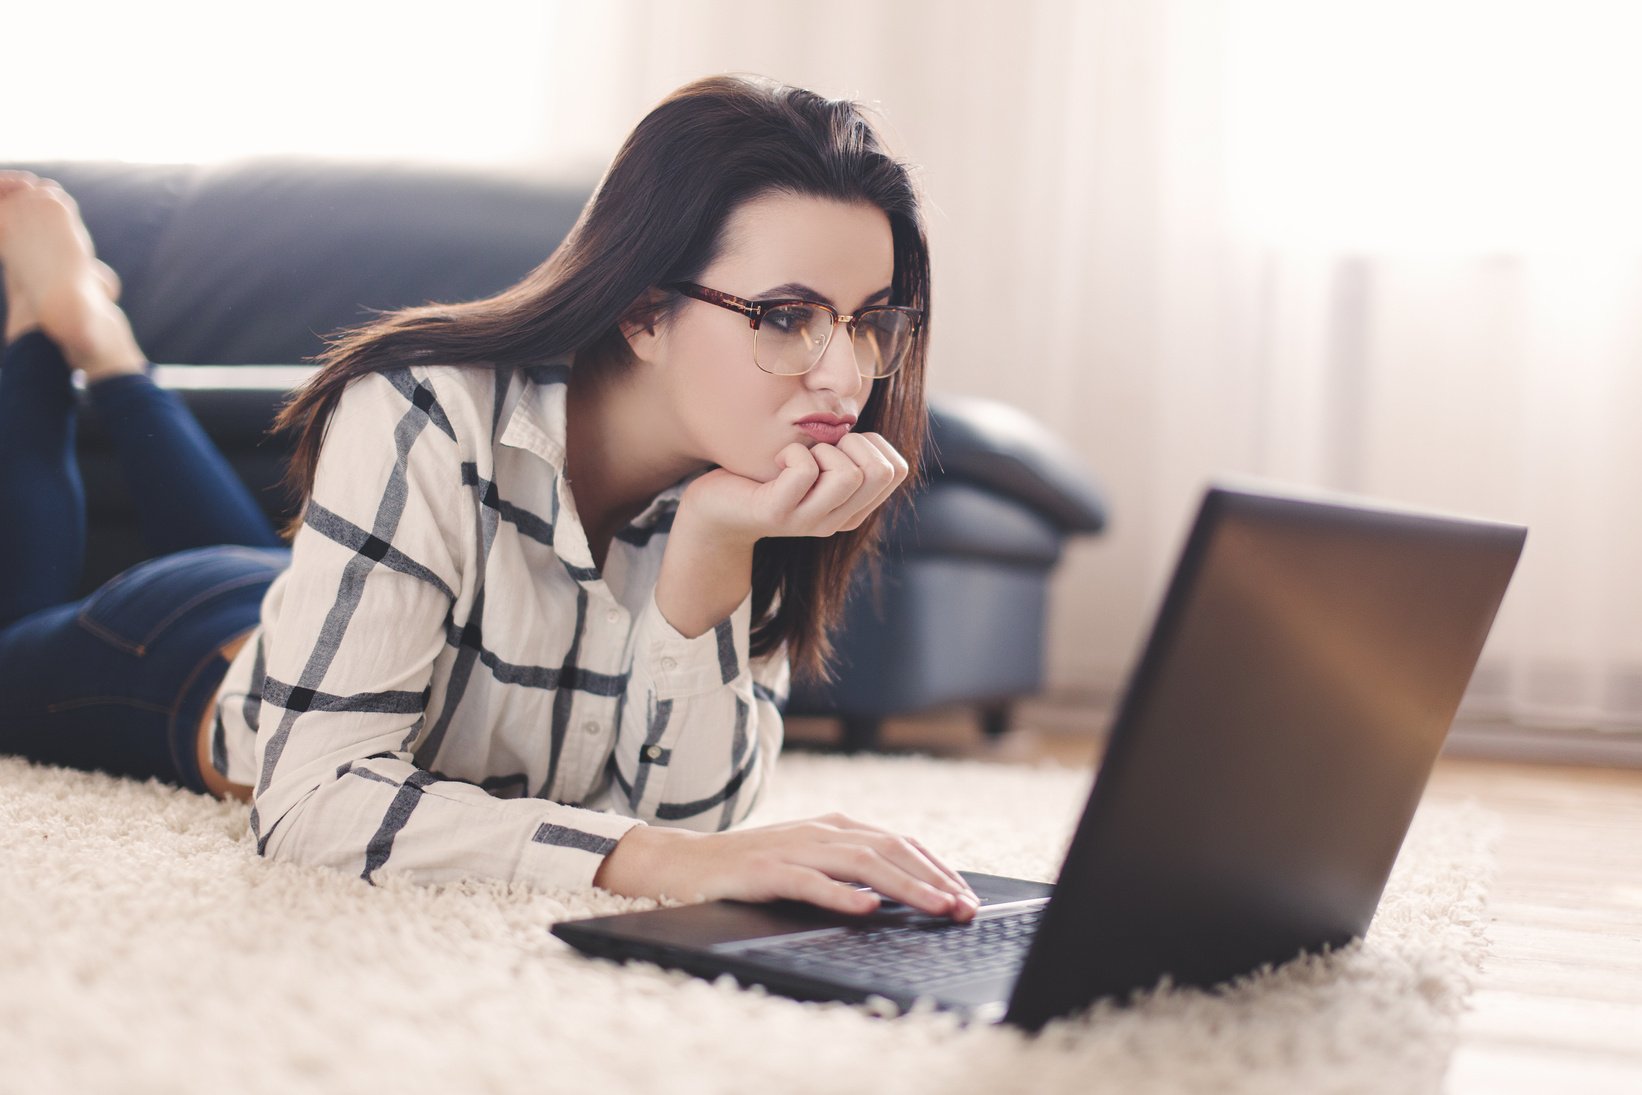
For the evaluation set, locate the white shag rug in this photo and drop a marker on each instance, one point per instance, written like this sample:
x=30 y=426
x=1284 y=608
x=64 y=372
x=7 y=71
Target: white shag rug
x=145 y=947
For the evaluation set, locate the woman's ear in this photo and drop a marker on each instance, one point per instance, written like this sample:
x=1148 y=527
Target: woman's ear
x=642 y=325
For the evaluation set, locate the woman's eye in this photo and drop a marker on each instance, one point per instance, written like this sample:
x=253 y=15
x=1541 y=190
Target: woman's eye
x=785 y=320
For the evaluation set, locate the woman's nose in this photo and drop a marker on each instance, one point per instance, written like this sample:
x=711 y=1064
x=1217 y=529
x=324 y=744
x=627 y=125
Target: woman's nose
x=837 y=369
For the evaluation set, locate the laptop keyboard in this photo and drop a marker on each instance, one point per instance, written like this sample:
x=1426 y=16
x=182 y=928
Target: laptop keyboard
x=908 y=954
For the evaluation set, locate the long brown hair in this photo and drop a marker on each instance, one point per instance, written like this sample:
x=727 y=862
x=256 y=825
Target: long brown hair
x=657 y=216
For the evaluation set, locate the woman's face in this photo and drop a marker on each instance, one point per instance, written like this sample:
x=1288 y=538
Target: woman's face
x=732 y=413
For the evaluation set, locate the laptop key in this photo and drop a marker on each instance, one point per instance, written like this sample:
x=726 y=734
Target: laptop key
x=911 y=955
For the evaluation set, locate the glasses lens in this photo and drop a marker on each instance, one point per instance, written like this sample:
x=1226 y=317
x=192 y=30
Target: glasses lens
x=791 y=338
x=882 y=338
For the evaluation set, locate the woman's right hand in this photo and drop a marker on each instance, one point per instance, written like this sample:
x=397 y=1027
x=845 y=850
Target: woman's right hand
x=817 y=491
x=812 y=860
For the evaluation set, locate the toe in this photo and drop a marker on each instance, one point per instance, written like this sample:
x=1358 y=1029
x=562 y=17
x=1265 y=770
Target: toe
x=11 y=187
x=17 y=180
x=55 y=189
x=49 y=192
x=109 y=277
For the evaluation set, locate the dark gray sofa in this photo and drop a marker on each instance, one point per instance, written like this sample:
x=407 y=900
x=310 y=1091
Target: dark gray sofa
x=246 y=264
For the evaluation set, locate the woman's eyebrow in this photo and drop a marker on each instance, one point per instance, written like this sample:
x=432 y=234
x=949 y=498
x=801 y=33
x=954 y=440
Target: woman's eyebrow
x=799 y=289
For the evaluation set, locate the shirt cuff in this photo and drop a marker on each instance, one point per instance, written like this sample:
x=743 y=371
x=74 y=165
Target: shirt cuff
x=678 y=666
x=568 y=856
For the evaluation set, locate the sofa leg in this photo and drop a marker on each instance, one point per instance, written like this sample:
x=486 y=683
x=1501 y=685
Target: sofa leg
x=860 y=733
x=995 y=720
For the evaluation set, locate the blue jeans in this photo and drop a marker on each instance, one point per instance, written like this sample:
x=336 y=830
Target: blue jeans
x=117 y=681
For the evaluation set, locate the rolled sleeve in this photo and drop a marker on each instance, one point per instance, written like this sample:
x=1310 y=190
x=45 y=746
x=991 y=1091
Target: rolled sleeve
x=678 y=667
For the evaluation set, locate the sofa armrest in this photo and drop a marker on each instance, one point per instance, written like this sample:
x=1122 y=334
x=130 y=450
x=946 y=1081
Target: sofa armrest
x=995 y=445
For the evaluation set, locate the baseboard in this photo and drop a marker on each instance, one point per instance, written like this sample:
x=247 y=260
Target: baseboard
x=1496 y=740
x=1090 y=710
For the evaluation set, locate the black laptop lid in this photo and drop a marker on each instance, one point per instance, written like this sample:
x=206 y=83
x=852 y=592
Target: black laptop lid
x=1273 y=743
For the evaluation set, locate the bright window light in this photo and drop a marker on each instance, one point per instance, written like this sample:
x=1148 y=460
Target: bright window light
x=171 y=81
x=1435 y=124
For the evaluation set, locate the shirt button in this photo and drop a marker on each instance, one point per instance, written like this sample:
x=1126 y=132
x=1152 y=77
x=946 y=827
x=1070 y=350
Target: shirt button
x=652 y=751
x=612 y=616
x=668 y=663
x=590 y=726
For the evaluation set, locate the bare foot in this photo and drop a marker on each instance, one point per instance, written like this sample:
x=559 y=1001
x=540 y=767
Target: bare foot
x=55 y=283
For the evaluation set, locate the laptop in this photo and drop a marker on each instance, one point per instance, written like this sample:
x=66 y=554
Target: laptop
x=1271 y=746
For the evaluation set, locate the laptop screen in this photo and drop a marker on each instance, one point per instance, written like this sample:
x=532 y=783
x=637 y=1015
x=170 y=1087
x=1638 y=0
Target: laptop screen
x=1273 y=744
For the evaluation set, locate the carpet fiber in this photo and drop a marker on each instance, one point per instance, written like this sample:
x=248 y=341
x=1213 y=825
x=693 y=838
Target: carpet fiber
x=147 y=948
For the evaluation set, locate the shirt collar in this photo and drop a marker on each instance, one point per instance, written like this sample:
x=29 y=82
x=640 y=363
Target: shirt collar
x=536 y=420
x=537 y=423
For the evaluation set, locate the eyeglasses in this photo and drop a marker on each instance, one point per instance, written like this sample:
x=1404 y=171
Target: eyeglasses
x=789 y=336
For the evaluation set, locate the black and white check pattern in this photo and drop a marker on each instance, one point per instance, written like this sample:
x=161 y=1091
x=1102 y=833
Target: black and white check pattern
x=443 y=683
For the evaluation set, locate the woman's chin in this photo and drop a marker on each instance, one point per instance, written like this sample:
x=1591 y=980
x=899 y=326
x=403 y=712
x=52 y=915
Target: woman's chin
x=759 y=467
x=758 y=471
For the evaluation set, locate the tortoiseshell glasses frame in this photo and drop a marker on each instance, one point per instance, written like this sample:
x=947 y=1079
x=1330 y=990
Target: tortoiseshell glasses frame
x=756 y=310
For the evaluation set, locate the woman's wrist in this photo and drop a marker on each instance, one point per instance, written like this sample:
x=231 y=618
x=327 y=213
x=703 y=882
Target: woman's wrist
x=641 y=863
x=706 y=572
x=701 y=527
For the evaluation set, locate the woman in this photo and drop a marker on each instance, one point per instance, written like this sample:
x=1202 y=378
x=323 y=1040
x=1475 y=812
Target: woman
x=557 y=549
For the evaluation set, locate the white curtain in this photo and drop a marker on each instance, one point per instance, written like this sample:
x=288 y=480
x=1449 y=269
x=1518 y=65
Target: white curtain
x=1385 y=248
x=1392 y=247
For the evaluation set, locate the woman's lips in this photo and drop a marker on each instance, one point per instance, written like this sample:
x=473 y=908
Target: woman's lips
x=821 y=431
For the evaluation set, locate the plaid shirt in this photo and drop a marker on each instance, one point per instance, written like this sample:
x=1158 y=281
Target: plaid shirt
x=443 y=683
